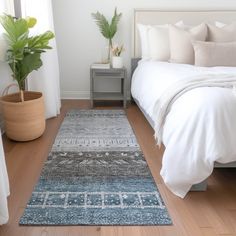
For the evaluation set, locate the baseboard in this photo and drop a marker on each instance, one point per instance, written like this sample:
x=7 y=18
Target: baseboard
x=75 y=94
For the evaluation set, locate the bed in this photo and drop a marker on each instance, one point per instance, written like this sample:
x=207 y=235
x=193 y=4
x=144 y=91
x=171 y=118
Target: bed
x=191 y=153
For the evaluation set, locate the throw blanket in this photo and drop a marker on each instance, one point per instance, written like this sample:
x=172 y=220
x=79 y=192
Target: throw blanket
x=164 y=104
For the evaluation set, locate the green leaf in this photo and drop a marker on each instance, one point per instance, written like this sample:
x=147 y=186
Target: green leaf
x=106 y=29
x=102 y=24
x=30 y=63
x=15 y=29
x=114 y=23
x=31 y=21
x=40 y=41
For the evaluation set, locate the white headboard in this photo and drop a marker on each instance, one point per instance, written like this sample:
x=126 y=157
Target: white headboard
x=192 y=17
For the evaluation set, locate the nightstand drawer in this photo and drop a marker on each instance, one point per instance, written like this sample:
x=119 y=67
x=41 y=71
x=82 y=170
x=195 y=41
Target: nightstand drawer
x=108 y=74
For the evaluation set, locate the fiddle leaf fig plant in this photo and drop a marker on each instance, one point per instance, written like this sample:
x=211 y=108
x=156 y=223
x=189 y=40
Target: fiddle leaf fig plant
x=24 y=51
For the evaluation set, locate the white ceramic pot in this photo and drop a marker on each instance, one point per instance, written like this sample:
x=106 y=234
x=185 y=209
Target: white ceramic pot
x=117 y=62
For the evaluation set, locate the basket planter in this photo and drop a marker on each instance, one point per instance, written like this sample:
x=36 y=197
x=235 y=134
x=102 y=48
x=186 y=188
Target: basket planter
x=24 y=121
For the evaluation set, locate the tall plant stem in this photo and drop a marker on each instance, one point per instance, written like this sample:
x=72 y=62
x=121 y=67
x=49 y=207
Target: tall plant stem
x=109 y=50
x=22 y=95
x=20 y=86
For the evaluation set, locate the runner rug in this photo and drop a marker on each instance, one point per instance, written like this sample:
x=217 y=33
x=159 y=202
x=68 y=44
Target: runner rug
x=96 y=174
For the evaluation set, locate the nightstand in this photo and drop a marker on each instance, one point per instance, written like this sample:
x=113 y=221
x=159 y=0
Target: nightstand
x=112 y=74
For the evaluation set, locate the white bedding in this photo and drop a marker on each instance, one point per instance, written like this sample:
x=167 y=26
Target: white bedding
x=200 y=127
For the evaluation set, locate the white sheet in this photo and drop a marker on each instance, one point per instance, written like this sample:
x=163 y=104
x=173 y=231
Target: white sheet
x=199 y=129
x=4 y=187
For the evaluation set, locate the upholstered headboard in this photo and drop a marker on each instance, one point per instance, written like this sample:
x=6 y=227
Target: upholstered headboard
x=191 y=17
x=160 y=16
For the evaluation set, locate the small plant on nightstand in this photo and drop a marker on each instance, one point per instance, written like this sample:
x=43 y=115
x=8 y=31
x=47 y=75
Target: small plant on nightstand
x=108 y=30
x=117 y=60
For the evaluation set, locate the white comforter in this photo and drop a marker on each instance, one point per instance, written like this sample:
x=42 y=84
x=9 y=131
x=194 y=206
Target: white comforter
x=200 y=127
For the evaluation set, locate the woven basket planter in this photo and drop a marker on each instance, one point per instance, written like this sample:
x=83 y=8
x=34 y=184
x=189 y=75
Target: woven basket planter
x=24 y=121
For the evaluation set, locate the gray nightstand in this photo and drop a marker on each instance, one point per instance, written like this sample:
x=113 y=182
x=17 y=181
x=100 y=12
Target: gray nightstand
x=96 y=74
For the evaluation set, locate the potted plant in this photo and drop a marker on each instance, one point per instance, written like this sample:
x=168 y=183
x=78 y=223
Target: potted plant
x=108 y=30
x=117 y=60
x=23 y=112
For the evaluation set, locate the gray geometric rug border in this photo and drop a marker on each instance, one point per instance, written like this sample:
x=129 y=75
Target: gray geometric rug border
x=96 y=174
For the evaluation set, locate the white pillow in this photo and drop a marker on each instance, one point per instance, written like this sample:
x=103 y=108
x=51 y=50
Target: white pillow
x=181 y=48
x=215 y=54
x=224 y=33
x=158 y=41
x=143 y=29
x=162 y=32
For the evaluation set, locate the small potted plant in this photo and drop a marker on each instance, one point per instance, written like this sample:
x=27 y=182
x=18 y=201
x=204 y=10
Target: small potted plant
x=23 y=112
x=108 y=30
x=117 y=60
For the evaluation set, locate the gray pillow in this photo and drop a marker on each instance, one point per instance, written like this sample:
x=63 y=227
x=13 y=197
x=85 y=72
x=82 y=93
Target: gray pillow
x=214 y=54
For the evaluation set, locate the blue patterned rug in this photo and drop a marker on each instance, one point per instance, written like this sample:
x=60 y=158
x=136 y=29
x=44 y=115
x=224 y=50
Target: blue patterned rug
x=95 y=175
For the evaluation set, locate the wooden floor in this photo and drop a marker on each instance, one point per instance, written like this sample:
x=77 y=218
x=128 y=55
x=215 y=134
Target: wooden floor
x=207 y=213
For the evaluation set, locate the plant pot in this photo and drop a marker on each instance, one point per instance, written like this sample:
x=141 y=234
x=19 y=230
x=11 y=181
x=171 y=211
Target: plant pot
x=24 y=121
x=117 y=62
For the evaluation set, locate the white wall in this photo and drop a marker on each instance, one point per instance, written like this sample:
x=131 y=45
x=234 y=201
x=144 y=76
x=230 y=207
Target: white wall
x=80 y=43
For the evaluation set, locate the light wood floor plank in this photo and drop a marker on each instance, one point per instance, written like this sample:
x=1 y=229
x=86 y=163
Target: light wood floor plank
x=208 y=232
